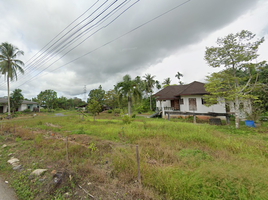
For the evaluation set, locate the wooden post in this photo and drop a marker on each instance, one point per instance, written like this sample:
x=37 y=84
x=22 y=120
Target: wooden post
x=194 y=119
x=227 y=119
x=138 y=164
x=67 y=156
x=168 y=117
x=33 y=137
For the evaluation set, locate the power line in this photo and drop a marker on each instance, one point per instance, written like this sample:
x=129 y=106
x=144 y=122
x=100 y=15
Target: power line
x=117 y=38
x=103 y=19
x=86 y=38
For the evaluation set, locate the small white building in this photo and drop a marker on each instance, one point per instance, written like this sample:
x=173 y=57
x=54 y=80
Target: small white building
x=24 y=105
x=186 y=98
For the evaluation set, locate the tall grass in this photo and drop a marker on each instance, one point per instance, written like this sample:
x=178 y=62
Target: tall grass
x=178 y=160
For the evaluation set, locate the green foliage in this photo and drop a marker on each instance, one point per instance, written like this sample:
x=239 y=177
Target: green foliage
x=26 y=111
x=238 y=54
x=117 y=111
x=10 y=64
x=97 y=94
x=110 y=111
x=133 y=116
x=111 y=99
x=81 y=130
x=94 y=107
x=126 y=119
x=128 y=88
x=16 y=99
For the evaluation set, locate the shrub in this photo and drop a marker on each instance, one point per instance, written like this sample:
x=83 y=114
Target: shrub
x=126 y=119
x=27 y=110
x=117 y=111
x=110 y=111
x=133 y=116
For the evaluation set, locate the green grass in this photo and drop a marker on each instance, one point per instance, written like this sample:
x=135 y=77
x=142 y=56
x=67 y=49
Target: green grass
x=179 y=160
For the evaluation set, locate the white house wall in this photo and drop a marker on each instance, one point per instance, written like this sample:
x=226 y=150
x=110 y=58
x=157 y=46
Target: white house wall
x=217 y=108
x=166 y=103
x=22 y=107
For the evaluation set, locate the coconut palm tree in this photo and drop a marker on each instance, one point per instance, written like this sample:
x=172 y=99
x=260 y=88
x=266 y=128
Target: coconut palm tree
x=128 y=88
x=9 y=64
x=166 y=82
x=149 y=85
x=179 y=75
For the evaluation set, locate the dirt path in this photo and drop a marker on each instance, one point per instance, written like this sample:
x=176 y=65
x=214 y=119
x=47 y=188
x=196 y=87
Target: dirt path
x=6 y=193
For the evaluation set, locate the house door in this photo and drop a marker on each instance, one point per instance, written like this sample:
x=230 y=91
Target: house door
x=192 y=104
x=1 y=109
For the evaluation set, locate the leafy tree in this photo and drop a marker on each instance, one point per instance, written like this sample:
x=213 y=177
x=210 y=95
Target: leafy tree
x=16 y=99
x=166 y=82
x=77 y=102
x=149 y=85
x=97 y=94
x=128 y=88
x=49 y=96
x=9 y=64
x=179 y=75
x=93 y=107
x=157 y=84
x=140 y=84
x=62 y=102
x=237 y=53
x=111 y=99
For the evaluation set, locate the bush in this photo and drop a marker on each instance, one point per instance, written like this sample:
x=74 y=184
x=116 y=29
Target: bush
x=126 y=119
x=117 y=111
x=27 y=110
x=110 y=111
x=133 y=116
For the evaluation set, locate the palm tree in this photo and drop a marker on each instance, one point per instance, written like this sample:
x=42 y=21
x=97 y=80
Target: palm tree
x=9 y=64
x=179 y=75
x=166 y=82
x=149 y=85
x=128 y=88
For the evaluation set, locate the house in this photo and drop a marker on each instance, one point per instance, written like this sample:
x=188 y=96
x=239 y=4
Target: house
x=186 y=98
x=24 y=105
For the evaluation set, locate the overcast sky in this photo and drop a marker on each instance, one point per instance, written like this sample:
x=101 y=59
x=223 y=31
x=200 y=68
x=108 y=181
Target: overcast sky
x=120 y=37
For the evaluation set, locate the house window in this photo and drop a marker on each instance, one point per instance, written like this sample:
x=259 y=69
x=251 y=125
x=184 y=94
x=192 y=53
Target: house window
x=181 y=101
x=192 y=104
x=203 y=101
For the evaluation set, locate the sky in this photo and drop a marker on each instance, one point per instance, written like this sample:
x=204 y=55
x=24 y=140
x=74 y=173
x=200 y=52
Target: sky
x=70 y=46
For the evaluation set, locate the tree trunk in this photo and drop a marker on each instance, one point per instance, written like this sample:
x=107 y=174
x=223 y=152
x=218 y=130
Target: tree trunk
x=8 y=98
x=129 y=106
x=237 y=102
x=151 y=101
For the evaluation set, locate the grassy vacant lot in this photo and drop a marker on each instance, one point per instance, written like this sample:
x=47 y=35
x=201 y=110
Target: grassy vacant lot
x=178 y=159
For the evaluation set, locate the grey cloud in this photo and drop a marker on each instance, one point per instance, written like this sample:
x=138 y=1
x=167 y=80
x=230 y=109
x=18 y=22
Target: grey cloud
x=37 y=22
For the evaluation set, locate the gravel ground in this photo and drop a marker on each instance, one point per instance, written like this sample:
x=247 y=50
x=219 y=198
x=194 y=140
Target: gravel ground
x=6 y=193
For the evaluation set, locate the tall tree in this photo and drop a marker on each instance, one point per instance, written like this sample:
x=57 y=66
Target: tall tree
x=128 y=88
x=149 y=85
x=16 y=99
x=111 y=99
x=237 y=53
x=97 y=94
x=179 y=75
x=9 y=64
x=49 y=96
x=166 y=82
